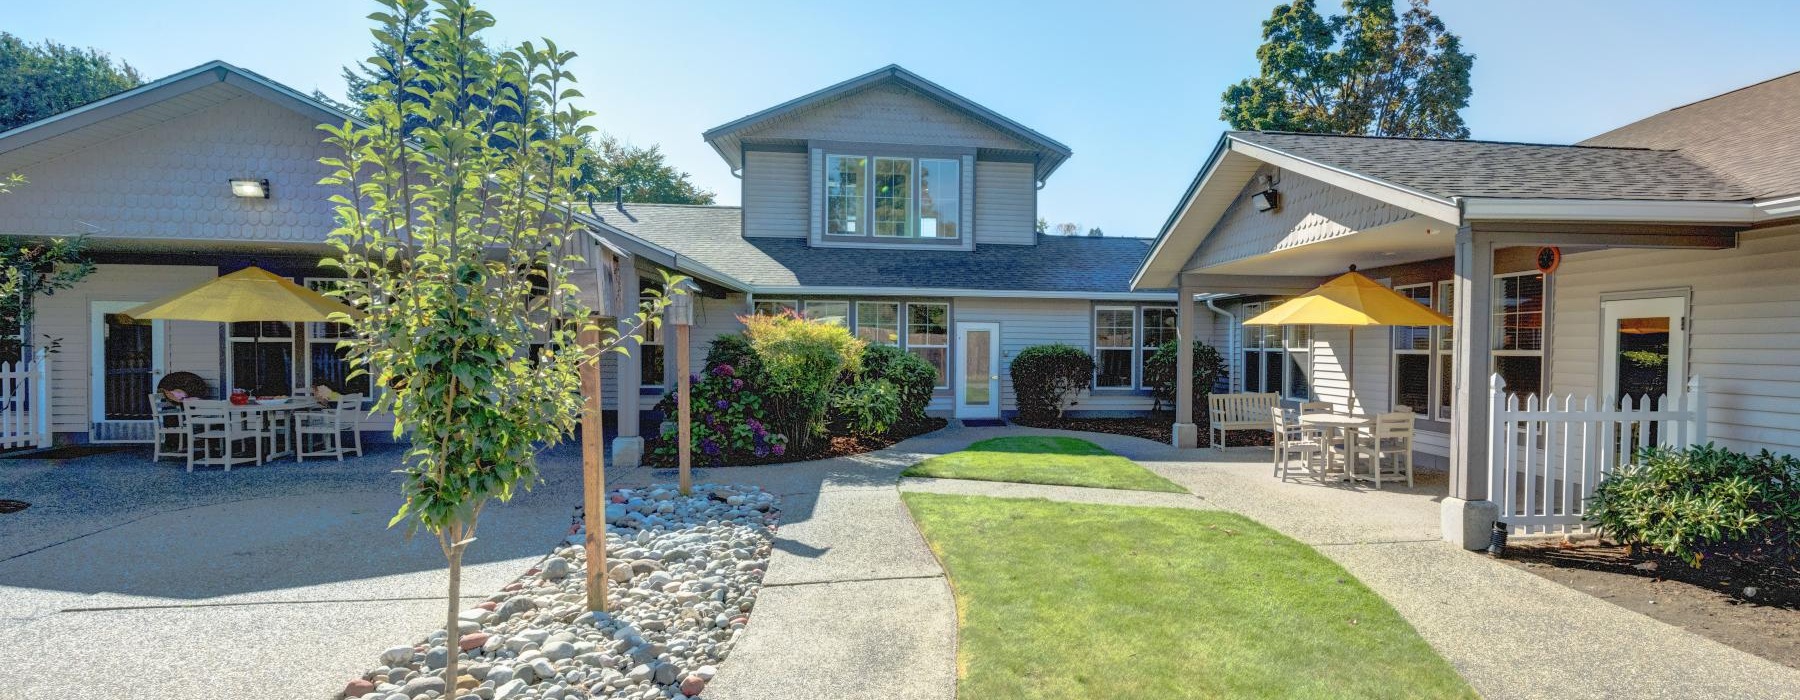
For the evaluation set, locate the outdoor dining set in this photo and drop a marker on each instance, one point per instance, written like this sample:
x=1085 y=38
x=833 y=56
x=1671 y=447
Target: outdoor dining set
x=250 y=429
x=226 y=433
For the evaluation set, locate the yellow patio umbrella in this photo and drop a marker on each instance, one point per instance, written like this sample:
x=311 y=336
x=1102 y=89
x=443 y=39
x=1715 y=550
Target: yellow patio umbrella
x=1351 y=300
x=250 y=295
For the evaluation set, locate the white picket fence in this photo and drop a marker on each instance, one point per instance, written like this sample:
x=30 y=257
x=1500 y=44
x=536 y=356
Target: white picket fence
x=1547 y=455
x=25 y=403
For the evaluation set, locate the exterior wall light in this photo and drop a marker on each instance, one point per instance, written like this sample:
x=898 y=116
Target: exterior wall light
x=1267 y=200
x=250 y=189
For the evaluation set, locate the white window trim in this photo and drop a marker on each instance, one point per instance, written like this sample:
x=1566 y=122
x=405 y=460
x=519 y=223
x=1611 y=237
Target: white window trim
x=1145 y=349
x=1132 y=346
x=1290 y=346
x=806 y=307
x=856 y=319
x=792 y=304
x=907 y=344
x=915 y=205
x=1543 y=331
x=1430 y=353
x=232 y=341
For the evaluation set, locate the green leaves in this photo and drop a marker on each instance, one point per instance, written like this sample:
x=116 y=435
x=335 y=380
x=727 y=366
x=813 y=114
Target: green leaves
x=454 y=225
x=1367 y=71
x=1687 y=503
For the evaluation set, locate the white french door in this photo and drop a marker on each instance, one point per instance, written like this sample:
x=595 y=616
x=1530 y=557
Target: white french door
x=977 y=370
x=1643 y=348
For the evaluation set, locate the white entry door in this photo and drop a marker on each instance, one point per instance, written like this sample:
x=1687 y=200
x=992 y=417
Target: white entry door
x=126 y=360
x=1643 y=348
x=977 y=375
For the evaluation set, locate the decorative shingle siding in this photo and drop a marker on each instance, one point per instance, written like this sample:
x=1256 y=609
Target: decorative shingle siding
x=1005 y=203
x=885 y=114
x=169 y=181
x=1742 y=338
x=775 y=194
x=1311 y=211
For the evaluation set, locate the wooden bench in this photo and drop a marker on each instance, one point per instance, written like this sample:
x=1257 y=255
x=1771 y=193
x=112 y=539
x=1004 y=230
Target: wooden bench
x=1228 y=412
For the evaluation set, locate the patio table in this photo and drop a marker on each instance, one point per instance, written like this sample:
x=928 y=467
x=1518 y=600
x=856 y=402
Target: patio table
x=261 y=411
x=1341 y=426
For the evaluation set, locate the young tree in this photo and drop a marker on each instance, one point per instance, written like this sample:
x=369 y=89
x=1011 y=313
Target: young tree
x=1367 y=71
x=1068 y=228
x=30 y=267
x=39 y=80
x=453 y=230
x=1043 y=225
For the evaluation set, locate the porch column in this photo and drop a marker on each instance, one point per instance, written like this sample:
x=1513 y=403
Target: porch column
x=1467 y=514
x=628 y=447
x=1185 y=433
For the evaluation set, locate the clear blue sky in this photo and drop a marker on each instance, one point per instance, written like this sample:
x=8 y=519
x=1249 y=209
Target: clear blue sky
x=1132 y=87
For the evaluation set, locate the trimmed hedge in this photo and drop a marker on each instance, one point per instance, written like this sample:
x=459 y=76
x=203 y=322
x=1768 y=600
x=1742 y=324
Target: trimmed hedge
x=911 y=376
x=1046 y=377
x=1159 y=373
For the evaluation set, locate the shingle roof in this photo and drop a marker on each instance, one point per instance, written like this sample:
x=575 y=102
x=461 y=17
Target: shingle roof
x=713 y=236
x=1751 y=134
x=1450 y=168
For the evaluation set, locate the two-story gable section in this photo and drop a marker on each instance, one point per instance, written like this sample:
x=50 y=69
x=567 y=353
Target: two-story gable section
x=888 y=159
x=908 y=213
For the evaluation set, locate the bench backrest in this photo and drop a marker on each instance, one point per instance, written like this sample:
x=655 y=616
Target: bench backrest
x=1242 y=408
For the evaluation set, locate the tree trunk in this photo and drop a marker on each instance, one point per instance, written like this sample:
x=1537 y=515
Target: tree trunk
x=452 y=629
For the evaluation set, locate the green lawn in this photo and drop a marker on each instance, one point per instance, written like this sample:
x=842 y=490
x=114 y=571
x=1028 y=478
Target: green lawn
x=1043 y=460
x=1065 y=600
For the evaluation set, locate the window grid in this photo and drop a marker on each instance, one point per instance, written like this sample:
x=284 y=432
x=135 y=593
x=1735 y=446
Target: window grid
x=928 y=336
x=878 y=322
x=1115 y=346
x=845 y=194
x=1159 y=328
x=326 y=363
x=829 y=311
x=1413 y=373
x=893 y=197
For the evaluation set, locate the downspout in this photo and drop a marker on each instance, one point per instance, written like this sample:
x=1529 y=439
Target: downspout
x=1231 y=336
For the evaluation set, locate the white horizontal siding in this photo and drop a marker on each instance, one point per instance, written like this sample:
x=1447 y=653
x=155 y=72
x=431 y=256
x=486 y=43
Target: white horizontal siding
x=775 y=195
x=1028 y=322
x=1744 y=329
x=1005 y=203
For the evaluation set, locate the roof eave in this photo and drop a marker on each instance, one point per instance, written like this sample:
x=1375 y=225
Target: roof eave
x=1738 y=213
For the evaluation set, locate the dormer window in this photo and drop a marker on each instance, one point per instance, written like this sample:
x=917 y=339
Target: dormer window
x=889 y=198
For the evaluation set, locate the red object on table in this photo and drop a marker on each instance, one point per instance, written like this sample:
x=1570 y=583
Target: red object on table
x=240 y=397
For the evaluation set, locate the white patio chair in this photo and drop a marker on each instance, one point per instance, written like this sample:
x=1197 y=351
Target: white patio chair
x=213 y=423
x=171 y=429
x=325 y=429
x=1390 y=447
x=1294 y=440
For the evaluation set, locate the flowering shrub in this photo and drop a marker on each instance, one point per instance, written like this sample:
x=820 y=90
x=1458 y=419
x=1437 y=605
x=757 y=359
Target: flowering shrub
x=802 y=360
x=730 y=421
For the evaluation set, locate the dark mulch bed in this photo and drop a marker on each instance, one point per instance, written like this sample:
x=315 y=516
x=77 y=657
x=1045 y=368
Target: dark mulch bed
x=1753 y=606
x=1159 y=427
x=837 y=446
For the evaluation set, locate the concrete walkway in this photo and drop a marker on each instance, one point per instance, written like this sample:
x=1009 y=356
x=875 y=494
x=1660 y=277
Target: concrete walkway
x=127 y=579
x=1510 y=633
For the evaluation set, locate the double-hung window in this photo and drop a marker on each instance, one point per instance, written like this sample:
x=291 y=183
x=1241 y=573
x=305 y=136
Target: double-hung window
x=262 y=357
x=1519 y=332
x=1276 y=358
x=1159 y=328
x=878 y=322
x=1115 y=346
x=326 y=363
x=833 y=312
x=893 y=197
x=928 y=336
x=1413 y=361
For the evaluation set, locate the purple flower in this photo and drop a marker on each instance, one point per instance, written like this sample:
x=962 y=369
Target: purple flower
x=762 y=451
x=754 y=424
x=721 y=404
x=737 y=385
x=693 y=379
x=778 y=450
x=724 y=371
x=709 y=447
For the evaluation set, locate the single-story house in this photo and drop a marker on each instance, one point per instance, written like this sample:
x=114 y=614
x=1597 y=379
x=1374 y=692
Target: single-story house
x=1626 y=266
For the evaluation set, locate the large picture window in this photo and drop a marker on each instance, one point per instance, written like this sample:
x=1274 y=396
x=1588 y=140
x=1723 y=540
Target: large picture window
x=889 y=197
x=844 y=194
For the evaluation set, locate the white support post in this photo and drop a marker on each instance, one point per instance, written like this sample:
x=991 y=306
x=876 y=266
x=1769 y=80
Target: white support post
x=1467 y=514
x=1697 y=401
x=1185 y=433
x=40 y=396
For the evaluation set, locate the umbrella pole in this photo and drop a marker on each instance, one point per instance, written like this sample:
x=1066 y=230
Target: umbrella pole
x=1350 y=373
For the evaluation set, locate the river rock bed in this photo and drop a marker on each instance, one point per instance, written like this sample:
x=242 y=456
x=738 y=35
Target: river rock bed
x=684 y=574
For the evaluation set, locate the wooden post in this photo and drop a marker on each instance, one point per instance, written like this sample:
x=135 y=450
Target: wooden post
x=683 y=420
x=593 y=468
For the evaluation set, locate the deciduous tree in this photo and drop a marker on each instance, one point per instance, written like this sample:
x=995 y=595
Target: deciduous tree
x=1368 y=71
x=455 y=231
x=39 y=80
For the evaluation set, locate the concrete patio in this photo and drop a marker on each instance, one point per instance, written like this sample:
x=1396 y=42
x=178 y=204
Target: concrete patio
x=124 y=578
